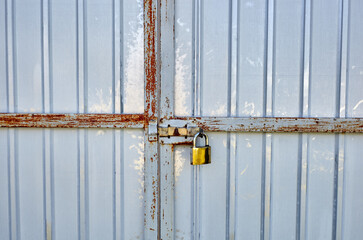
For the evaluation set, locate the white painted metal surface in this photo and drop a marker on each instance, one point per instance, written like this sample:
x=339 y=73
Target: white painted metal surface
x=78 y=184
x=71 y=57
x=269 y=58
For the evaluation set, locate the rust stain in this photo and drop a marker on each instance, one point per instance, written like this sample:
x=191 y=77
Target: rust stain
x=308 y=125
x=150 y=60
x=278 y=124
x=40 y=120
x=153 y=204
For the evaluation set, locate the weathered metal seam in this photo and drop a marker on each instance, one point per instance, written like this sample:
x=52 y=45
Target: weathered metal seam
x=13 y=120
x=277 y=124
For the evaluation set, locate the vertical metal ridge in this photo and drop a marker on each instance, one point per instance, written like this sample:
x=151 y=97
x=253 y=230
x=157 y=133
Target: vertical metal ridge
x=228 y=178
x=11 y=56
x=193 y=70
x=77 y=56
x=309 y=6
x=122 y=185
x=86 y=184
x=13 y=185
x=273 y=59
x=42 y=57
x=196 y=75
x=198 y=64
x=48 y=187
x=114 y=211
x=269 y=55
x=306 y=216
x=302 y=62
x=46 y=108
x=116 y=59
x=340 y=187
x=236 y=174
x=80 y=56
x=229 y=108
x=16 y=173
x=46 y=80
x=192 y=210
x=335 y=190
x=14 y=58
x=52 y=194
x=264 y=107
x=79 y=194
x=8 y=161
x=302 y=101
x=201 y=62
x=304 y=148
x=343 y=59
x=337 y=114
x=231 y=185
x=346 y=102
x=6 y=54
x=268 y=102
x=268 y=186
x=233 y=98
x=339 y=59
x=298 y=187
x=229 y=70
x=122 y=75
x=263 y=174
x=50 y=56
x=8 y=131
x=238 y=57
x=343 y=104
x=45 y=185
x=113 y=107
x=85 y=57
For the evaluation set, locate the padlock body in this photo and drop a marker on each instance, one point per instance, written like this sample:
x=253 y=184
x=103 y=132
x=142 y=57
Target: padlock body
x=201 y=155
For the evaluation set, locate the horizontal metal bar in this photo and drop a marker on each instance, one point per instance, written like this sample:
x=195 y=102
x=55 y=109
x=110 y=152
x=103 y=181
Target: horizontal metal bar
x=273 y=124
x=12 y=120
x=219 y=124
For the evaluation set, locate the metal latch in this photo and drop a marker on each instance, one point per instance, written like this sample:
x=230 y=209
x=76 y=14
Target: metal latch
x=171 y=131
x=153 y=131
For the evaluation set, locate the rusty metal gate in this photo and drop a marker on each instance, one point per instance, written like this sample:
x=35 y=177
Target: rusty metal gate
x=100 y=101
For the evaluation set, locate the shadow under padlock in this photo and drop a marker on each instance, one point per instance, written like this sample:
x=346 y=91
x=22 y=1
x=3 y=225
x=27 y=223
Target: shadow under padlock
x=200 y=154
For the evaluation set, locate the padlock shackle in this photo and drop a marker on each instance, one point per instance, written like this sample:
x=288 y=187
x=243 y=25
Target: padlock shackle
x=200 y=134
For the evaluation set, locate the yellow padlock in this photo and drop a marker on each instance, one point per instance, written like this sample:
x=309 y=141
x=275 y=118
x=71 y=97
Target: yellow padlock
x=201 y=155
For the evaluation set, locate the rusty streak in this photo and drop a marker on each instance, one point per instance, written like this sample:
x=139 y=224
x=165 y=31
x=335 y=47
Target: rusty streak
x=277 y=124
x=11 y=120
x=150 y=60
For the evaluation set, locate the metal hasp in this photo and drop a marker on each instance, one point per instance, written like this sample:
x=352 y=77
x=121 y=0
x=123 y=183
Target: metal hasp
x=176 y=131
x=201 y=155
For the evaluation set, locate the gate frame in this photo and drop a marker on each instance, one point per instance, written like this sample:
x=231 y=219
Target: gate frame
x=159 y=114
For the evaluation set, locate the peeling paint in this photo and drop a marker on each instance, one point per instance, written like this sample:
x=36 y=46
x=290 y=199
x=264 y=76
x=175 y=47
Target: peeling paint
x=277 y=124
x=11 y=120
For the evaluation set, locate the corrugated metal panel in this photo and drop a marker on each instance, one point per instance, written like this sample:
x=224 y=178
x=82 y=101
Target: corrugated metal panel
x=69 y=57
x=71 y=184
x=269 y=58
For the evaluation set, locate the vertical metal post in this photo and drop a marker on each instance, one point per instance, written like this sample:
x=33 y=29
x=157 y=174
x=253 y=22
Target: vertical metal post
x=167 y=112
x=151 y=106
